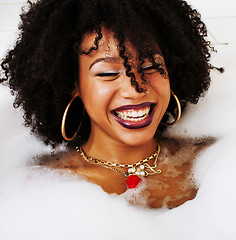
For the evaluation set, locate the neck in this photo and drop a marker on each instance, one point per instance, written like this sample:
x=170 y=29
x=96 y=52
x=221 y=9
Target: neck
x=117 y=152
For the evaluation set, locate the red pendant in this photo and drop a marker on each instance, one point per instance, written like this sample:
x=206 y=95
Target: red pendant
x=132 y=181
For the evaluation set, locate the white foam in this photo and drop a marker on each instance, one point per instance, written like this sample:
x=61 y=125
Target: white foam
x=38 y=203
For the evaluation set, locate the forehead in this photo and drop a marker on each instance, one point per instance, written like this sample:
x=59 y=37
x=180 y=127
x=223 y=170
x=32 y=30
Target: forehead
x=107 y=45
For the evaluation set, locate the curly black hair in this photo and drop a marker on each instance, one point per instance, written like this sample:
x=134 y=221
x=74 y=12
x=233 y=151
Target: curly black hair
x=43 y=66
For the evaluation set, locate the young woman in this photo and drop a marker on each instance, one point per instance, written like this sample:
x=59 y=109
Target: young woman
x=108 y=76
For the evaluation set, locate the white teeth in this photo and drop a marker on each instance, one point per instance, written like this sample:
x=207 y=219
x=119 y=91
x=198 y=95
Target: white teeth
x=133 y=115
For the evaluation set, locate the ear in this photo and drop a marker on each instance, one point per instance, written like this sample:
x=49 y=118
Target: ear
x=76 y=91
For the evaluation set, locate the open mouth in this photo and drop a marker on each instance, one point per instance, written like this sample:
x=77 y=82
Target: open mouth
x=134 y=116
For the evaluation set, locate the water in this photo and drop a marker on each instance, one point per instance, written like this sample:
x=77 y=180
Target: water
x=38 y=203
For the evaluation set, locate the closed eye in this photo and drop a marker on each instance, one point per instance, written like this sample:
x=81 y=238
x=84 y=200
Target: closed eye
x=149 y=70
x=107 y=74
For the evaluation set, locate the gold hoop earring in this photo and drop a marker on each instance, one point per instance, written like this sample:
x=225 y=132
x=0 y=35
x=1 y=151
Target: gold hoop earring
x=179 y=111
x=63 y=122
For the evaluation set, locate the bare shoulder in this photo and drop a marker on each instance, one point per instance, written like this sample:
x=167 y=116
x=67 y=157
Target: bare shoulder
x=177 y=151
x=176 y=145
x=59 y=160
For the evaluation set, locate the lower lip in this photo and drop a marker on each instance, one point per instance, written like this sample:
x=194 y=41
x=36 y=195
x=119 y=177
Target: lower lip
x=136 y=125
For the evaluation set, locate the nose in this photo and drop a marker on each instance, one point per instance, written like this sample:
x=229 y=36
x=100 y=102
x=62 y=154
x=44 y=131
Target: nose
x=127 y=90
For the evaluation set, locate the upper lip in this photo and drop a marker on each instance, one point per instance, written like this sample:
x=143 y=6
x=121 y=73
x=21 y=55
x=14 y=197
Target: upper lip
x=130 y=107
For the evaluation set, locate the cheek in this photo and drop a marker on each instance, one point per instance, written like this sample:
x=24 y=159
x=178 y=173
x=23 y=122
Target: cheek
x=161 y=87
x=96 y=97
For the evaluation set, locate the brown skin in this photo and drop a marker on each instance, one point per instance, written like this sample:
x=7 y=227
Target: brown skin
x=100 y=95
x=113 y=142
x=173 y=187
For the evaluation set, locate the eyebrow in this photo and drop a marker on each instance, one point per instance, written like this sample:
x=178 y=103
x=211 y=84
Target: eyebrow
x=106 y=59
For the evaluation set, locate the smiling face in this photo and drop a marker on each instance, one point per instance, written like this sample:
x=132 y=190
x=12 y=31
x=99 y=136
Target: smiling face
x=118 y=113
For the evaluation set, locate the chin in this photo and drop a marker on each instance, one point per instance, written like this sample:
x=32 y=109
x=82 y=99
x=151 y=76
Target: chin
x=137 y=138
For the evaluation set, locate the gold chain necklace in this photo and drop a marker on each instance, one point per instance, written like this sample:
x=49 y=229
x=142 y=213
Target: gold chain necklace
x=134 y=171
